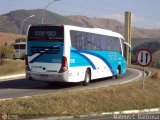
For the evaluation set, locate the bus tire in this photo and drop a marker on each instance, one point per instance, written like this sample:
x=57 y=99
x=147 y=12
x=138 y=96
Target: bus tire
x=28 y=77
x=51 y=84
x=87 y=78
x=117 y=73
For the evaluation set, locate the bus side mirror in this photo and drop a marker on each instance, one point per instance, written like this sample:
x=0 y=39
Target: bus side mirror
x=128 y=45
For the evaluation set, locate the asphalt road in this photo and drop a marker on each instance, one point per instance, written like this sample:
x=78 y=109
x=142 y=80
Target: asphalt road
x=22 y=87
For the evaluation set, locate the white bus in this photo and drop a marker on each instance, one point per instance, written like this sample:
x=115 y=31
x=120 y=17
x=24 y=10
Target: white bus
x=19 y=48
x=73 y=54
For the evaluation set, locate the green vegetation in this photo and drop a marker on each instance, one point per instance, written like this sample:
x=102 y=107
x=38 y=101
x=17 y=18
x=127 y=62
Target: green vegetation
x=20 y=39
x=5 y=52
x=10 y=67
x=114 y=98
x=156 y=63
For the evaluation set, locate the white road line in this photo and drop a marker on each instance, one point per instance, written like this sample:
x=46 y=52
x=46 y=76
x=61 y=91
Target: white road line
x=11 y=77
x=136 y=78
x=13 y=98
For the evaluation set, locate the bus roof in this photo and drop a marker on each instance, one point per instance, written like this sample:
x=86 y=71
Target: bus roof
x=86 y=29
x=95 y=30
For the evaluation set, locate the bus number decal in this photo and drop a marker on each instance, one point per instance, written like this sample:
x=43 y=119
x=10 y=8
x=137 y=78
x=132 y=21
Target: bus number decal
x=113 y=57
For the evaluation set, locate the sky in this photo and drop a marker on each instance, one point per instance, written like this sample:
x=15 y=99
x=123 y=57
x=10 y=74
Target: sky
x=145 y=13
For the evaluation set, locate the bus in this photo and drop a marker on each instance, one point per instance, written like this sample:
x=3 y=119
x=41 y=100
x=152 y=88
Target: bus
x=68 y=53
x=19 y=48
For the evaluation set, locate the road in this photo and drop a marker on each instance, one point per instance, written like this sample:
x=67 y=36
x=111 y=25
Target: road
x=21 y=87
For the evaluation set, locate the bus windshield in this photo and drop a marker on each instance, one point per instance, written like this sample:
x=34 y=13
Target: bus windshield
x=19 y=46
x=45 y=42
x=46 y=33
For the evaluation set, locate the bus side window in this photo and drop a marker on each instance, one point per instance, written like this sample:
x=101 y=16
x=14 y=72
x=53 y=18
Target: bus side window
x=87 y=40
x=117 y=44
x=103 y=43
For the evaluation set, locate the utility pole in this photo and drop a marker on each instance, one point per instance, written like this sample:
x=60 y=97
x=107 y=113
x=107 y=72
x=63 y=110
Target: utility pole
x=128 y=22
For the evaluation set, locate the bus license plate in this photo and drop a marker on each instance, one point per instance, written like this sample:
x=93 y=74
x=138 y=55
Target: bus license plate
x=43 y=76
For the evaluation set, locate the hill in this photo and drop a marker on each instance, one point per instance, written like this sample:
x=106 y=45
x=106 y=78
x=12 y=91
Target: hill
x=11 y=22
x=140 y=41
x=156 y=59
x=8 y=38
x=115 y=26
x=98 y=22
x=152 y=46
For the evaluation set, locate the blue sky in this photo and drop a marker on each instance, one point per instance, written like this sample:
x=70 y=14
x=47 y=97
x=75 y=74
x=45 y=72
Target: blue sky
x=145 y=13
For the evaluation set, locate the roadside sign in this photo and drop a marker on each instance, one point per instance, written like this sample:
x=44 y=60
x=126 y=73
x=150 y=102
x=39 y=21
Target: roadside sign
x=144 y=57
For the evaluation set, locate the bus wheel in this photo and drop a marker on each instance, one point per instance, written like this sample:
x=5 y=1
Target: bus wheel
x=117 y=74
x=51 y=84
x=87 y=78
x=28 y=77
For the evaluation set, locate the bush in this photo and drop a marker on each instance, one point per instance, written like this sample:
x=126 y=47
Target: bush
x=22 y=55
x=5 y=52
x=22 y=39
x=156 y=63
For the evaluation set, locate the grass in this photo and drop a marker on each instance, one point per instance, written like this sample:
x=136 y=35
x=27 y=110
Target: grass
x=10 y=67
x=114 y=98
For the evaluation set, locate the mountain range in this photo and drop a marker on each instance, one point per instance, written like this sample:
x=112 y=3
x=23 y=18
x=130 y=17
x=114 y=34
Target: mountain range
x=12 y=23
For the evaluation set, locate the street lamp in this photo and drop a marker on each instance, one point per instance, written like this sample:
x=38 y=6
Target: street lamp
x=21 y=31
x=24 y=21
x=46 y=8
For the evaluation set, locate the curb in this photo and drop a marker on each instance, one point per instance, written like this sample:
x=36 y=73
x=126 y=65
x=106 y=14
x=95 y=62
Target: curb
x=134 y=79
x=148 y=73
x=133 y=111
x=10 y=77
x=144 y=111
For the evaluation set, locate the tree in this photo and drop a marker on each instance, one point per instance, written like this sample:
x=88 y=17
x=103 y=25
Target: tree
x=22 y=39
x=5 y=52
x=2 y=54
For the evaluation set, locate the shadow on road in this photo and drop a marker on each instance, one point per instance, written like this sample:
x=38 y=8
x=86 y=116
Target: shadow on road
x=31 y=84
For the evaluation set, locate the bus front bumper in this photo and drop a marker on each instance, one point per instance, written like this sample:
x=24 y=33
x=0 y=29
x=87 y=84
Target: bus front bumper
x=57 y=77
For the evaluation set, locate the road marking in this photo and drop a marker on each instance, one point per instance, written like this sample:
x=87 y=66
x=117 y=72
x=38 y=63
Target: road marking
x=13 y=98
x=11 y=77
x=101 y=114
x=133 y=79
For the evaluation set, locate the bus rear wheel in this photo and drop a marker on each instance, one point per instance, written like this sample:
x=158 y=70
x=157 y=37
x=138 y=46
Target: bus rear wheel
x=87 y=78
x=28 y=78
